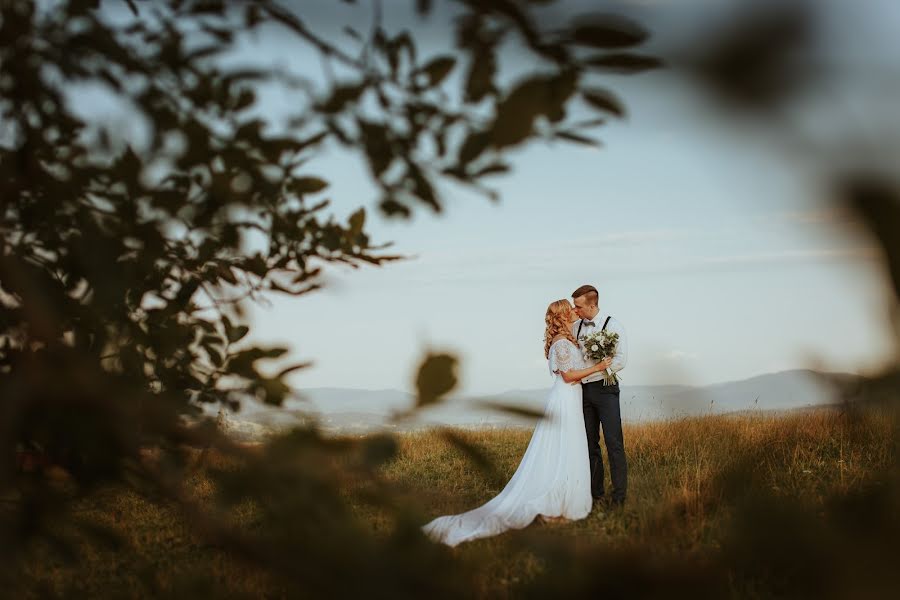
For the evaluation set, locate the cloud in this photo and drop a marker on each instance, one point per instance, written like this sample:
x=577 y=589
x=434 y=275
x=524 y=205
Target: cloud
x=817 y=255
x=831 y=215
x=636 y=254
x=679 y=355
x=631 y=238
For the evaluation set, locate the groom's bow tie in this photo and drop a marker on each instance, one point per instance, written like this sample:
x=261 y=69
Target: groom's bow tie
x=589 y=324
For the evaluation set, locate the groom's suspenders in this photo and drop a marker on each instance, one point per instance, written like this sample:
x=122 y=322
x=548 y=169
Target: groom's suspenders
x=605 y=323
x=581 y=324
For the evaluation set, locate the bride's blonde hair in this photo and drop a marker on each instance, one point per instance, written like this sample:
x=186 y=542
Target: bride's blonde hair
x=557 y=323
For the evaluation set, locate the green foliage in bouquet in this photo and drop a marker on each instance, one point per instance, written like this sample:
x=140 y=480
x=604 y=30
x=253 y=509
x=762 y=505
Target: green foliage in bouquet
x=601 y=345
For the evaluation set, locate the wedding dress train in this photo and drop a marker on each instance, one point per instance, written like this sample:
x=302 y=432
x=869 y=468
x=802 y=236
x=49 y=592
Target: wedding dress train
x=553 y=478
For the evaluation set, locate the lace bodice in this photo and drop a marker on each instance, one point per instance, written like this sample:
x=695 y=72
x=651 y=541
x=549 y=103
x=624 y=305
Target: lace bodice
x=565 y=356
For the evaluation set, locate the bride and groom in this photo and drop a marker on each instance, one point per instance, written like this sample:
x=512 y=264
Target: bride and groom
x=561 y=473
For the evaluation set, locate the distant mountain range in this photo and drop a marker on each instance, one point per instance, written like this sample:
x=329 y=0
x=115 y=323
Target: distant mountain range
x=344 y=410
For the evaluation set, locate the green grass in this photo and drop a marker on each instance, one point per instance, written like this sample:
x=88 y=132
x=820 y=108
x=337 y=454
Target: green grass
x=680 y=502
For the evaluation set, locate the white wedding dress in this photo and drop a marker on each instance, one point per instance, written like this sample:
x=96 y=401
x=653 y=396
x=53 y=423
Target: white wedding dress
x=553 y=478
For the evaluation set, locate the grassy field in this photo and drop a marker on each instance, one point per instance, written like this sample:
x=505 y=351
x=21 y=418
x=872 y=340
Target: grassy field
x=686 y=479
x=681 y=488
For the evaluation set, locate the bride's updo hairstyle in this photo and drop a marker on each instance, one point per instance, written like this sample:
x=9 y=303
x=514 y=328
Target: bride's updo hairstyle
x=557 y=321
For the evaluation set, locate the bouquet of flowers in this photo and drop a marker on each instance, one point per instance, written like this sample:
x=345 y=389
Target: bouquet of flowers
x=600 y=345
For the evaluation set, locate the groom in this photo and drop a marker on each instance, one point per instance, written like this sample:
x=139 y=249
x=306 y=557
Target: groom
x=601 y=401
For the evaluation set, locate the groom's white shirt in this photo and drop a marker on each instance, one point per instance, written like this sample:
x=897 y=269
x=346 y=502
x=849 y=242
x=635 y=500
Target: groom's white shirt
x=618 y=362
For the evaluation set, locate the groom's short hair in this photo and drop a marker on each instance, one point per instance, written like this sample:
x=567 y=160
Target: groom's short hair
x=587 y=290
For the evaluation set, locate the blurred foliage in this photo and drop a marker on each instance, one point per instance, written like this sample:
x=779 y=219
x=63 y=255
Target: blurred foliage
x=436 y=377
x=126 y=261
x=129 y=251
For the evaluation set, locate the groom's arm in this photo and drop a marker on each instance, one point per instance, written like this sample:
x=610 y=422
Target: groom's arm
x=621 y=356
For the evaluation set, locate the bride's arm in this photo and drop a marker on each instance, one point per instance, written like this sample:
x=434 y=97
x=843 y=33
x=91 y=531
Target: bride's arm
x=578 y=374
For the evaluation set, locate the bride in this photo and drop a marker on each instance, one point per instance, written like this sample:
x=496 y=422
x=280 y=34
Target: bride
x=553 y=479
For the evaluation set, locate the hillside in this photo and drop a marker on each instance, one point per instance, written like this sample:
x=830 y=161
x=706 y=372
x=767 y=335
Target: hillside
x=344 y=410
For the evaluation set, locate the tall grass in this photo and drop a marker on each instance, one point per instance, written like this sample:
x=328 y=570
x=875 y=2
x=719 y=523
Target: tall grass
x=686 y=478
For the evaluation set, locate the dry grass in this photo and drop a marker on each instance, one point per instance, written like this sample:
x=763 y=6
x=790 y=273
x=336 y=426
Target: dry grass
x=682 y=480
x=673 y=464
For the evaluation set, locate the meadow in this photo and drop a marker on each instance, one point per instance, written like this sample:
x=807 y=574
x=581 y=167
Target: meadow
x=688 y=479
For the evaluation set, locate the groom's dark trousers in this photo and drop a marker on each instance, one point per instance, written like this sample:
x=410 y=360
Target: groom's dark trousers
x=601 y=408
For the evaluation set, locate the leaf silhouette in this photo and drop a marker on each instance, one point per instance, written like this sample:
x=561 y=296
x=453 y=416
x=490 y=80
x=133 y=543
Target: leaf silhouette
x=438 y=68
x=436 y=377
x=480 y=80
x=608 y=31
x=625 y=63
x=571 y=136
x=308 y=185
x=605 y=101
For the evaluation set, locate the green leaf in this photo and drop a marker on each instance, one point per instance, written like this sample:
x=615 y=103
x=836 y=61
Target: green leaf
x=357 y=221
x=589 y=123
x=256 y=264
x=539 y=95
x=625 y=63
x=379 y=449
x=308 y=185
x=436 y=377
x=423 y=7
x=403 y=41
x=438 y=69
x=292 y=368
x=558 y=91
x=225 y=273
x=250 y=131
x=516 y=113
x=482 y=70
x=577 y=138
x=273 y=352
x=604 y=101
x=244 y=99
x=473 y=146
x=493 y=169
x=378 y=146
x=341 y=96
x=237 y=333
x=422 y=186
x=275 y=391
x=391 y=207
x=215 y=356
x=608 y=31
x=208 y=340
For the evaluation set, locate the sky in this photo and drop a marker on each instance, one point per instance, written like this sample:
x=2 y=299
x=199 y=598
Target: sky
x=712 y=241
x=720 y=263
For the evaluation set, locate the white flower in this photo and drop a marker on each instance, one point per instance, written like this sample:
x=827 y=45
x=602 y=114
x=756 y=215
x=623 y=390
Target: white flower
x=594 y=348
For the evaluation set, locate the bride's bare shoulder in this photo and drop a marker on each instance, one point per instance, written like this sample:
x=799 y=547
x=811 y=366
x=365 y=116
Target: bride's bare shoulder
x=557 y=338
